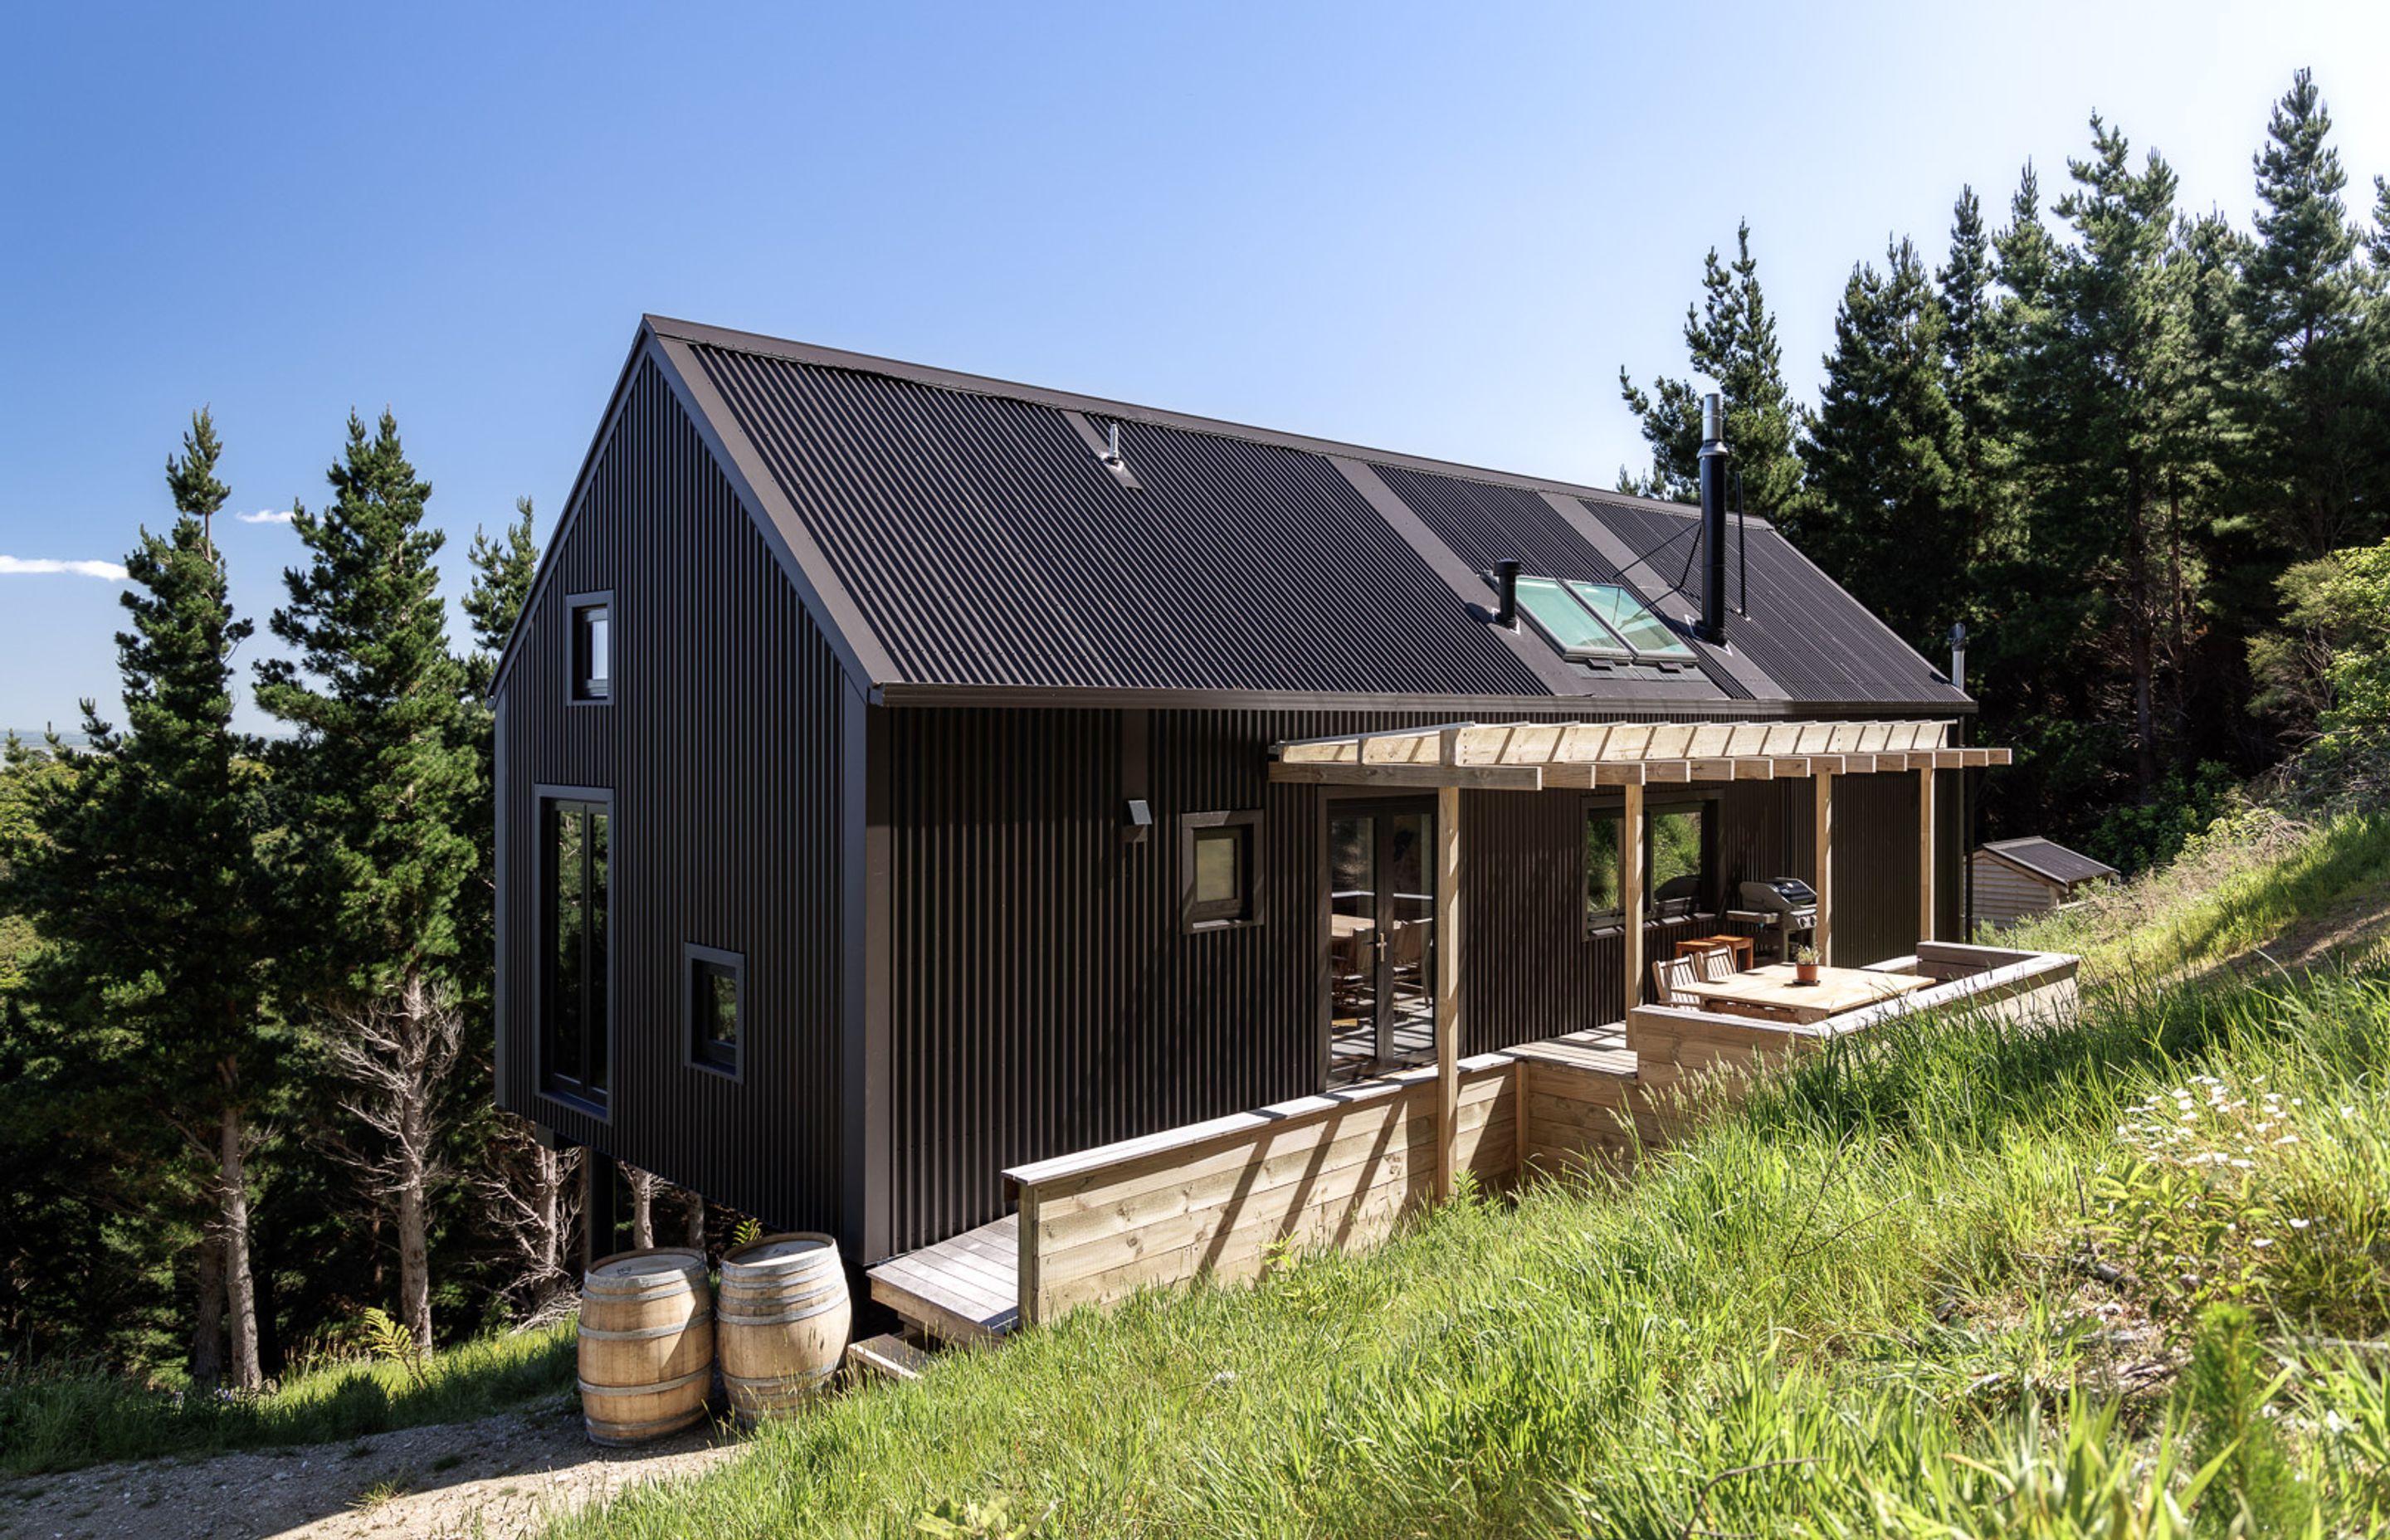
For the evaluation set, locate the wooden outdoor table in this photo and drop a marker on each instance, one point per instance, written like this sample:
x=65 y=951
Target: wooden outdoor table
x=1349 y=924
x=1771 y=991
x=1738 y=945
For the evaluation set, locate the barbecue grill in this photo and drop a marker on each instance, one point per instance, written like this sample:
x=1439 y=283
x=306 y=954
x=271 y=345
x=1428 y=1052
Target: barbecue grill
x=1784 y=907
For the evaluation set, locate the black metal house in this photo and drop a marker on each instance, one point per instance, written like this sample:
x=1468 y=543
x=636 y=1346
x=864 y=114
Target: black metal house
x=886 y=792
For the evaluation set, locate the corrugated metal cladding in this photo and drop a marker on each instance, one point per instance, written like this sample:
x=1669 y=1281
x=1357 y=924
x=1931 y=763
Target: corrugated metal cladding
x=1803 y=630
x=721 y=748
x=987 y=544
x=1484 y=523
x=1045 y=997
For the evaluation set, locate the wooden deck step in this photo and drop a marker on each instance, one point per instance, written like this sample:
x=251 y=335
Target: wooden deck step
x=889 y=1356
x=964 y=1289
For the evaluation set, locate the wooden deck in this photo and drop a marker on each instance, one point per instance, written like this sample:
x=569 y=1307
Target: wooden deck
x=964 y=1289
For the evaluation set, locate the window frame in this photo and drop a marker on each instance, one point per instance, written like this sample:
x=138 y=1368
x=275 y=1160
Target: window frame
x=1707 y=801
x=694 y=1046
x=574 y=1093
x=1193 y=828
x=575 y=605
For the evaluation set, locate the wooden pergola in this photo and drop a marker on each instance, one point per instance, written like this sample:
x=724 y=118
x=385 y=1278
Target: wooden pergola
x=1538 y=756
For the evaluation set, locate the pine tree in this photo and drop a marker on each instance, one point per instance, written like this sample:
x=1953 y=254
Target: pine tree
x=1881 y=508
x=1983 y=498
x=2308 y=454
x=380 y=774
x=146 y=886
x=2111 y=401
x=1730 y=338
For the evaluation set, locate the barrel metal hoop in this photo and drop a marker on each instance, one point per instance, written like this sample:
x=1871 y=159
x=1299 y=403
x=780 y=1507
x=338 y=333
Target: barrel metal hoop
x=645 y=1332
x=657 y=1389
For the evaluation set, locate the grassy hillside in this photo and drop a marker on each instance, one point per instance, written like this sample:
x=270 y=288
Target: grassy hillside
x=1950 y=1280
x=2261 y=888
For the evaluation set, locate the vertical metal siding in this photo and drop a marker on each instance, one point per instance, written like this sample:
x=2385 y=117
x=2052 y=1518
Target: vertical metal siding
x=1047 y=998
x=722 y=748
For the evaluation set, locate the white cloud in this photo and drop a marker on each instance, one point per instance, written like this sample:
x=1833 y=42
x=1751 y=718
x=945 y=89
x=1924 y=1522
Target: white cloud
x=266 y=516
x=113 y=572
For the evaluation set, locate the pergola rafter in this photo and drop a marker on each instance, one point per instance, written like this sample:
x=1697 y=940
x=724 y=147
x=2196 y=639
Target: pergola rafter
x=1532 y=756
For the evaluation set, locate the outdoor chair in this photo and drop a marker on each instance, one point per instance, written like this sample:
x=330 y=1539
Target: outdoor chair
x=1716 y=963
x=1669 y=976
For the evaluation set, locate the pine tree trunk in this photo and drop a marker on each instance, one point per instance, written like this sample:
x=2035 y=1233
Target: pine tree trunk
x=643 y=1206
x=413 y=1252
x=2138 y=623
x=207 y=1329
x=697 y=1221
x=240 y=1289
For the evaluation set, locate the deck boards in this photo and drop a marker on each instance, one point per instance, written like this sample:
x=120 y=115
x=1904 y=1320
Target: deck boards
x=965 y=1289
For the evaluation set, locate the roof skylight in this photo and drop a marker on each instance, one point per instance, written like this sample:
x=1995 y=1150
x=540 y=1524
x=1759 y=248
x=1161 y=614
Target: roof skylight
x=1598 y=619
x=1567 y=621
x=1636 y=625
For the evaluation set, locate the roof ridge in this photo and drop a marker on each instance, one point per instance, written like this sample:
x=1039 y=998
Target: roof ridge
x=823 y=357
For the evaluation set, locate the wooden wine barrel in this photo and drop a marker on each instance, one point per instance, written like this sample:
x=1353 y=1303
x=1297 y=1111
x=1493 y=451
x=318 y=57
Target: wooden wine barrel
x=647 y=1344
x=785 y=1315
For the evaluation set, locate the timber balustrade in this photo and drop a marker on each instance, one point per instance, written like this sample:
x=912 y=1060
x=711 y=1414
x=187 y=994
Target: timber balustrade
x=1340 y=1170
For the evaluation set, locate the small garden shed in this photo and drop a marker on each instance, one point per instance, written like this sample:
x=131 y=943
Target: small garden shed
x=2015 y=879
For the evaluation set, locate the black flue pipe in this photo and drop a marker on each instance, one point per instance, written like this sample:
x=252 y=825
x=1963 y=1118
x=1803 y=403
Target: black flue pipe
x=1506 y=584
x=1714 y=473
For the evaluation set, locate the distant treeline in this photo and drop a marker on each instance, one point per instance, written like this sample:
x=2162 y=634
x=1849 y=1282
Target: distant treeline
x=2139 y=453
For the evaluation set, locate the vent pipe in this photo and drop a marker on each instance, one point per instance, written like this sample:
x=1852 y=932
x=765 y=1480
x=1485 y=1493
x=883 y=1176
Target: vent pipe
x=1714 y=474
x=1958 y=655
x=1506 y=582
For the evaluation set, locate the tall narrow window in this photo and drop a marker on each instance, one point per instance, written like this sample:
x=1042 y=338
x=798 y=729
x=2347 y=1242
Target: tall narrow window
x=716 y=1006
x=1604 y=904
x=574 y=1002
x=593 y=646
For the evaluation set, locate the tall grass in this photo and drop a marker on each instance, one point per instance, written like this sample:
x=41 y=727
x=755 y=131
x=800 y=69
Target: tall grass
x=1875 y=1299
x=2239 y=886
x=59 y=1417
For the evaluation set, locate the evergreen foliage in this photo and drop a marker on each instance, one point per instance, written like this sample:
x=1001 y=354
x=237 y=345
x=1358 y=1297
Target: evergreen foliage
x=1884 y=503
x=376 y=775
x=143 y=876
x=1730 y=340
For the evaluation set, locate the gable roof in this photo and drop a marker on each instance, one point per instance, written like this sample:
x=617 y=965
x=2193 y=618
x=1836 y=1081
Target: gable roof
x=963 y=538
x=2047 y=858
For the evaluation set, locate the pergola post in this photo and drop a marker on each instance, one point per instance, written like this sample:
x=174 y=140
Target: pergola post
x=1630 y=895
x=1447 y=984
x=1925 y=853
x=1824 y=936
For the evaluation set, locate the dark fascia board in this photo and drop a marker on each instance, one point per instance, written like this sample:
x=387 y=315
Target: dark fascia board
x=825 y=599
x=1708 y=707
x=1070 y=401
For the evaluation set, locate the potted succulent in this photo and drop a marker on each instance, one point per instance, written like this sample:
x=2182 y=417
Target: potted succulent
x=1805 y=965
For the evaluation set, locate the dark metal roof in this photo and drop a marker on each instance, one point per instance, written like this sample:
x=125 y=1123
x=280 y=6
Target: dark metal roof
x=962 y=537
x=1802 y=629
x=2049 y=859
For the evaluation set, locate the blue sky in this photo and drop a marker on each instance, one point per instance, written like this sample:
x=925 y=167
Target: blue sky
x=1440 y=228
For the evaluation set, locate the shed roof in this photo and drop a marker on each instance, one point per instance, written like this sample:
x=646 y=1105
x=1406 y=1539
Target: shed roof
x=2047 y=858
x=964 y=538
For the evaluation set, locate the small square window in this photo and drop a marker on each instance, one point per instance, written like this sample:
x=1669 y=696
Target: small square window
x=1219 y=855
x=717 y=1007
x=593 y=646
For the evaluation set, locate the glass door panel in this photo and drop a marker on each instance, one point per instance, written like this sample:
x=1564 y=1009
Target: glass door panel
x=1381 y=941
